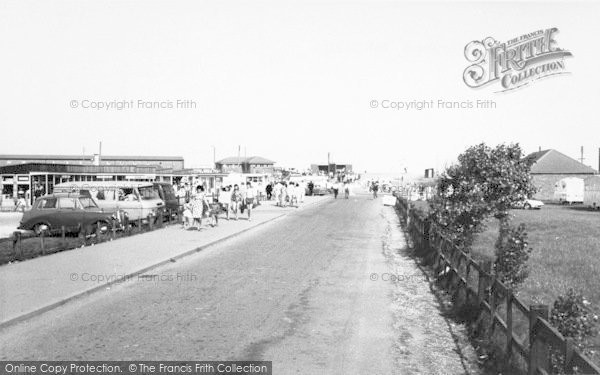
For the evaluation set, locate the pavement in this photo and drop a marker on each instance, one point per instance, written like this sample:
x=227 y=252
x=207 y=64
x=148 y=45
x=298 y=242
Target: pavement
x=34 y=286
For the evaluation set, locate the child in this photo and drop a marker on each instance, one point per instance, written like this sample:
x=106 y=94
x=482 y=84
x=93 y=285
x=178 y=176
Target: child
x=187 y=216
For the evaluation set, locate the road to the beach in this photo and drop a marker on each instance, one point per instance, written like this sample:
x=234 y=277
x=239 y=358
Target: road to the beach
x=313 y=292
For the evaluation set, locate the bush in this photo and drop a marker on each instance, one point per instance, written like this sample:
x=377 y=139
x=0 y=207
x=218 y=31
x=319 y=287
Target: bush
x=572 y=317
x=512 y=253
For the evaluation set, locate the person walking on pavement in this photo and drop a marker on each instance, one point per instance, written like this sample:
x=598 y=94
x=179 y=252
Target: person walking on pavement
x=225 y=199
x=346 y=189
x=375 y=189
x=269 y=190
x=198 y=206
x=250 y=197
x=236 y=199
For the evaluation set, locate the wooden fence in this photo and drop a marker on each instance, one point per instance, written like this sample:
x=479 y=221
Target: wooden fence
x=57 y=239
x=497 y=307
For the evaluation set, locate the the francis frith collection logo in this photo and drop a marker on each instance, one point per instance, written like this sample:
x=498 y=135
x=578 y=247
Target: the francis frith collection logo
x=514 y=63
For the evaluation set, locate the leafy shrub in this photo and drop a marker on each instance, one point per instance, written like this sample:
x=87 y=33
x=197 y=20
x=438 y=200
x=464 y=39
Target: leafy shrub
x=573 y=318
x=512 y=253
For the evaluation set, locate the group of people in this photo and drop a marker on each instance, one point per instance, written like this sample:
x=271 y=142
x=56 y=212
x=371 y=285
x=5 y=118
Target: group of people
x=229 y=200
x=233 y=200
x=285 y=194
x=336 y=187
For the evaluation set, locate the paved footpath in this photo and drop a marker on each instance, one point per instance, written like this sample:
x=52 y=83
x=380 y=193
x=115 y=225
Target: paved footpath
x=31 y=287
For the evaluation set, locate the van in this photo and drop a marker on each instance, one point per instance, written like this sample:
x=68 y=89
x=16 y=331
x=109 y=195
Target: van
x=569 y=190
x=167 y=194
x=139 y=200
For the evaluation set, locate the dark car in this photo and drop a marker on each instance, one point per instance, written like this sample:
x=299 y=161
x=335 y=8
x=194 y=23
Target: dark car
x=73 y=211
x=167 y=194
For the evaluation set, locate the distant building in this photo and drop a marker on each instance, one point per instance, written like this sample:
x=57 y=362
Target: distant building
x=175 y=162
x=550 y=166
x=334 y=168
x=251 y=164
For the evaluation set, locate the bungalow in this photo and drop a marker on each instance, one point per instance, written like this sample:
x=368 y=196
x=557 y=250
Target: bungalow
x=550 y=166
x=252 y=164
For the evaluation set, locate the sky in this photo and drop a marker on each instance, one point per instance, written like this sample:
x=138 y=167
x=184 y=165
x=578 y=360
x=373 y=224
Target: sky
x=287 y=80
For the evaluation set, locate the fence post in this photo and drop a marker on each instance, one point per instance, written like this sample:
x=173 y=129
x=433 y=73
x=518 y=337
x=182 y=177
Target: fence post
x=569 y=347
x=485 y=266
x=42 y=242
x=18 y=250
x=509 y=324
x=63 y=240
x=538 y=350
x=492 y=307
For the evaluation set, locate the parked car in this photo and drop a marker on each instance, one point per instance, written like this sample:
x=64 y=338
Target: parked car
x=529 y=204
x=74 y=211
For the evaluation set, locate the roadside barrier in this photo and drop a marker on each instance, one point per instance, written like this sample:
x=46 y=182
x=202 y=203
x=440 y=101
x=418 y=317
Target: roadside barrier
x=27 y=244
x=497 y=310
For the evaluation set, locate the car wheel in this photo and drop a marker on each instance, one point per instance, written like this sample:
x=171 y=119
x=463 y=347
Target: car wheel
x=527 y=206
x=100 y=227
x=41 y=227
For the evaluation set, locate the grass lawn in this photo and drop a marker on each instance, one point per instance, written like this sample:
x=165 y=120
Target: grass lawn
x=566 y=252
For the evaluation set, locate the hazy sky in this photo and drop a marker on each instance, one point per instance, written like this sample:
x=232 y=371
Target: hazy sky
x=287 y=80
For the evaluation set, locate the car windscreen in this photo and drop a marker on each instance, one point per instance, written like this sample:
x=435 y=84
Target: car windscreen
x=148 y=192
x=88 y=203
x=47 y=204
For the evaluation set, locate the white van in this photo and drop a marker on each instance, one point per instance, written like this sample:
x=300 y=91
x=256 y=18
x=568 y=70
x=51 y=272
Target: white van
x=569 y=190
x=138 y=199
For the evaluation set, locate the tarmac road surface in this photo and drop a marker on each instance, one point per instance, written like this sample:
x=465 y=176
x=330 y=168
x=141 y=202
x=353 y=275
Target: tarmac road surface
x=325 y=290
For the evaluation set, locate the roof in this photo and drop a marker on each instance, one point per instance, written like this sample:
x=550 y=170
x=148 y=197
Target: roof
x=245 y=160
x=88 y=157
x=75 y=168
x=553 y=162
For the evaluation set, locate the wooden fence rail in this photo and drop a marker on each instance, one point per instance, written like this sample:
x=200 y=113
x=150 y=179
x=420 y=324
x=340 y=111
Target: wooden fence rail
x=455 y=268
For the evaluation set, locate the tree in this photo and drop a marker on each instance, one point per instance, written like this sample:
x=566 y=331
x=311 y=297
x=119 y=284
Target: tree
x=485 y=182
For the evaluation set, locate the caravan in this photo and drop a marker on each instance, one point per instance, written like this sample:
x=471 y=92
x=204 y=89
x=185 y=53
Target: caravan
x=569 y=190
x=591 y=194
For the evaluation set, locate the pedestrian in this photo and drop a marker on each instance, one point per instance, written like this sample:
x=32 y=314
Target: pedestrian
x=269 y=190
x=188 y=218
x=375 y=188
x=225 y=199
x=236 y=199
x=243 y=194
x=250 y=198
x=311 y=187
x=283 y=197
x=198 y=206
x=278 y=189
x=336 y=189
x=346 y=189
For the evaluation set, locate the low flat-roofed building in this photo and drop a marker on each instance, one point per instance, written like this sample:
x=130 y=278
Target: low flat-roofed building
x=175 y=162
x=40 y=178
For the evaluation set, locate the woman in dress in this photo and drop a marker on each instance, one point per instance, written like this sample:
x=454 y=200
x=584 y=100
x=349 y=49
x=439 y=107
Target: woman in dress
x=198 y=206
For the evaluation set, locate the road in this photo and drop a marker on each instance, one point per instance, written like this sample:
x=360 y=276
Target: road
x=326 y=290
